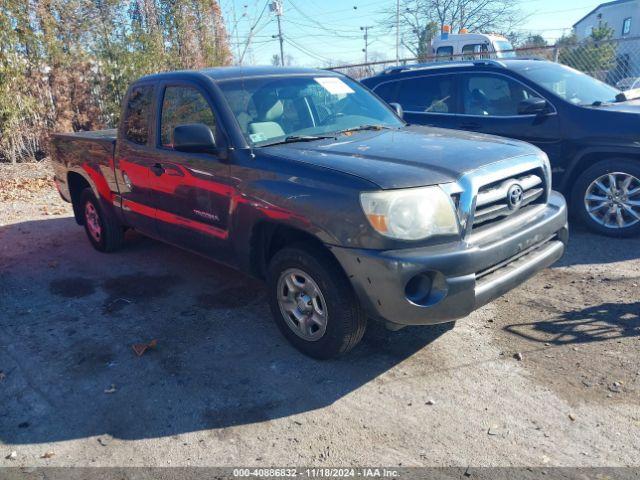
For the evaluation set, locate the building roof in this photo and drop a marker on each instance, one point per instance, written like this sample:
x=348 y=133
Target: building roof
x=606 y=4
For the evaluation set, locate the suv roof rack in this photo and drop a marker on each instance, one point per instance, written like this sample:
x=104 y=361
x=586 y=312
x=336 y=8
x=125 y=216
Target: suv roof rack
x=452 y=63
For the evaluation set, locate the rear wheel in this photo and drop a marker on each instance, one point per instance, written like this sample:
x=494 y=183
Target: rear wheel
x=313 y=302
x=103 y=230
x=607 y=198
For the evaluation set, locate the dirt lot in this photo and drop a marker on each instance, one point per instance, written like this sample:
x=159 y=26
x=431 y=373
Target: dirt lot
x=224 y=388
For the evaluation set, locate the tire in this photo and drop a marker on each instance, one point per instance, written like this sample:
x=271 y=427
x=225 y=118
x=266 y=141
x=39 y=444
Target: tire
x=336 y=304
x=103 y=230
x=620 y=169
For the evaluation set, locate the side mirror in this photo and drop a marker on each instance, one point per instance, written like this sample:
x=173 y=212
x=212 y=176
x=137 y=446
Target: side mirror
x=398 y=108
x=194 y=138
x=533 y=106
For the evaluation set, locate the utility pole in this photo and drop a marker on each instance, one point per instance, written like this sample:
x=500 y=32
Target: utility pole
x=365 y=29
x=276 y=8
x=397 y=32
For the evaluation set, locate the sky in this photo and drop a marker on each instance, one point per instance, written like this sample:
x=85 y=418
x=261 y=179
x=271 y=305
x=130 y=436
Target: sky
x=320 y=31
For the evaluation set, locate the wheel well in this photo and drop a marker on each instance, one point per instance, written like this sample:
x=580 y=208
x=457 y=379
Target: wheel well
x=268 y=238
x=585 y=162
x=77 y=183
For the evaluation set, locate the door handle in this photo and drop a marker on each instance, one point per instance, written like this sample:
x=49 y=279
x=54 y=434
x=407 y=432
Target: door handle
x=158 y=169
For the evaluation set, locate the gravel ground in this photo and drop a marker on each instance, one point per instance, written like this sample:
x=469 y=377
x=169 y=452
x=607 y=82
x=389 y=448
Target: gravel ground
x=549 y=375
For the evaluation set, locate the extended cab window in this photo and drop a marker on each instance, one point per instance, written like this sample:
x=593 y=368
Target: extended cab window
x=182 y=106
x=492 y=95
x=136 y=118
x=429 y=94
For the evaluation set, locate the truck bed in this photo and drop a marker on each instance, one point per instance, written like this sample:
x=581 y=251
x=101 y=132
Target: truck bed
x=89 y=154
x=108 y=136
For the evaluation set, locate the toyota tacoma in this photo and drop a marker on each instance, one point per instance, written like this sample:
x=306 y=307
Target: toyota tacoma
x=307 y=180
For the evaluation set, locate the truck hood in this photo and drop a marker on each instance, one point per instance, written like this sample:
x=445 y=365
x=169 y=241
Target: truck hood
x=413 y=156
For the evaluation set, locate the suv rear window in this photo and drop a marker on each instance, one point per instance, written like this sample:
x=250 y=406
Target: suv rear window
x=136 y=117
x=428 y=94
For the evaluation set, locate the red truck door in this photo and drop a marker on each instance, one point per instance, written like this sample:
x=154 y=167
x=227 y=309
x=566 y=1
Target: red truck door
x=190 y=191
x=134 y=159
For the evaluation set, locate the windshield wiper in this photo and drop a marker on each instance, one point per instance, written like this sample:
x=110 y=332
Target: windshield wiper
x=362 y=127
x=299 y=138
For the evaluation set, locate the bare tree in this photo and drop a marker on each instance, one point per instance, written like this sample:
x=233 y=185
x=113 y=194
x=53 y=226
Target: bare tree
x=421 y=20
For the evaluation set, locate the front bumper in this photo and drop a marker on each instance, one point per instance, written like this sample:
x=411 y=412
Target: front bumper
x=465 y=275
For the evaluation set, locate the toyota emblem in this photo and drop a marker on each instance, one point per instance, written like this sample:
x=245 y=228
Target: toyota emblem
x=515 y=195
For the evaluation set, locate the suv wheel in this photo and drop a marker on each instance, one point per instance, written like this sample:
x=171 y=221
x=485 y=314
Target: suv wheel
x=607 y=198
x=313 y=302
x=103 y=230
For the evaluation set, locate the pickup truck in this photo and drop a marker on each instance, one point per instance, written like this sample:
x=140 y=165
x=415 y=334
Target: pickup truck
x=307 y=180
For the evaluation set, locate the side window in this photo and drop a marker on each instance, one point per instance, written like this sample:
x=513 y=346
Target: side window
x=136 y=117
x=180 y=106
x=429 y=94
x=386 y=91
x=474 y=51
x=445 y=52
x=491 y=95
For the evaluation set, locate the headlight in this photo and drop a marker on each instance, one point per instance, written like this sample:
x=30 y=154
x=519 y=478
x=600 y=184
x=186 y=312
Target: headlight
x=411 y=214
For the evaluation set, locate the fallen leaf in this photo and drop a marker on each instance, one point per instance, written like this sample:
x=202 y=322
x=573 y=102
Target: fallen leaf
x=140 y=348
x=47 y=455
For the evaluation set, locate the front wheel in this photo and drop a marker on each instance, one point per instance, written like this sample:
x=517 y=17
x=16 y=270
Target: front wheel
x=607 y=198
x=313 y=302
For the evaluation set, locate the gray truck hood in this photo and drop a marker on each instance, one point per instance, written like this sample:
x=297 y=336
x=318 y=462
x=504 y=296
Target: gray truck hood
x=410 y=157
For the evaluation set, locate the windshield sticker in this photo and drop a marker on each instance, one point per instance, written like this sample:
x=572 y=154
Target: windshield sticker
x=334 y=85
x=256 y=137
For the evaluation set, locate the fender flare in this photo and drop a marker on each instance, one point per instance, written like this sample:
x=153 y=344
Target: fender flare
x=579 y=157
x=97 y=183
x=245 y=234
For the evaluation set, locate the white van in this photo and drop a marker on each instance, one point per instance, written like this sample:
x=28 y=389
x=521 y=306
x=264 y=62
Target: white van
x=470 y=46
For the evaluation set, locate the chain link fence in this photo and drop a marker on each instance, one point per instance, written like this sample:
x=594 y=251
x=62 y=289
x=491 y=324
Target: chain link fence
x=616 y=62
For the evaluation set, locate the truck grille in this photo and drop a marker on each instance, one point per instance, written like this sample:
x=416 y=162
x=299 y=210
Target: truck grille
x=503 y=198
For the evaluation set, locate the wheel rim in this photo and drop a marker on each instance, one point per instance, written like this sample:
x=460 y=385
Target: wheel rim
x=302 y=304
x=613 y=200
x=93 y=221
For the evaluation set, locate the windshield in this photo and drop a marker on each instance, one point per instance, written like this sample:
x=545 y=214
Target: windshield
x=569 y=84
x=504 y=49
x=270 y=109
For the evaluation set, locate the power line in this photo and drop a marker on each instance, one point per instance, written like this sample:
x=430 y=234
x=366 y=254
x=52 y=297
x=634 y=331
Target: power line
x=306 y=51
x=251 y=32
